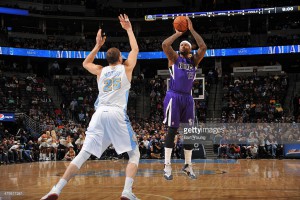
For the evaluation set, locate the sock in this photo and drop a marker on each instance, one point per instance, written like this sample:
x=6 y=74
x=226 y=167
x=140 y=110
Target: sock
x=128 y=184
x=61 y=184
x=188 y=156
x=168 y=152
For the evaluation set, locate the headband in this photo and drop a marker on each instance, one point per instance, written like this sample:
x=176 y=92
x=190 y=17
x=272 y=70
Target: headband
x=187 y=42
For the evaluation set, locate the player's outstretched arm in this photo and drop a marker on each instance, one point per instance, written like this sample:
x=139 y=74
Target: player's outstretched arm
x=132 y=56
x=167 y=47
x=88 y=62
x=200 y=42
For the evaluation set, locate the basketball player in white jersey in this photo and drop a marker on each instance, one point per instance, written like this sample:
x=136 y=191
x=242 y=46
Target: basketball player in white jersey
x=110 y=123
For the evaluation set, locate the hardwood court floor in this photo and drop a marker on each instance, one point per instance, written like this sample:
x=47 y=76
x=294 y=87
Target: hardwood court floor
x=217 y=179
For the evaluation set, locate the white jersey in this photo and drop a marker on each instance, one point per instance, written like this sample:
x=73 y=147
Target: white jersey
x=113 y=86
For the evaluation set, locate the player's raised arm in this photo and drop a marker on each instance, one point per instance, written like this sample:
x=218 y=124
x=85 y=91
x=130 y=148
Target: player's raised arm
x=167 y=47
x=201 y=44
x=88 y=62
x=132 y=56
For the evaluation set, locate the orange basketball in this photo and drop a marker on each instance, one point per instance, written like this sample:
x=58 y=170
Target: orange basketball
x=180 y=23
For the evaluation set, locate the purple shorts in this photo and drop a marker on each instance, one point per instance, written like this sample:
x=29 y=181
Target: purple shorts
x=178 y=108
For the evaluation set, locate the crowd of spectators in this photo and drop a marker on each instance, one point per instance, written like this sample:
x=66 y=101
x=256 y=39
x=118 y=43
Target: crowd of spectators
x=233 y=41
x=51 y=43
x=78 y=97
x=154 y=44
x=296 y=107
x=276 y=40
x=19 y=93
x=258 y=126
x=213 y=42
x=34 y=7
x=256 y=140
x=79 y=45
x=157 y=89
x=284 y=22
x=254 y=98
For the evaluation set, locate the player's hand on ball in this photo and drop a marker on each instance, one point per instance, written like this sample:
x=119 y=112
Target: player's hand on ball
x=190 y=24
x=178 y=32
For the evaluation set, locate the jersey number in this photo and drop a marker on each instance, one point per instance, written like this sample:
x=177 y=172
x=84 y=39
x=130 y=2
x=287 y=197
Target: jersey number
x=112 y=84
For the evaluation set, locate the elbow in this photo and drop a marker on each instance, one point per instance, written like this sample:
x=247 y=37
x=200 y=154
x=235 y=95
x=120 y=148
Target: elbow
x=84 y=64
x=164 y=45
x=136 y=49
x=204 y=47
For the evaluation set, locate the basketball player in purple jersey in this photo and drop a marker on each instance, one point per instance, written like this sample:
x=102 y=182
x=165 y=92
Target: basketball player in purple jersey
x=179 y=103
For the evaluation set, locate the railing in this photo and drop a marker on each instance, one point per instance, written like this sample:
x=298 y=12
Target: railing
x=30 y=123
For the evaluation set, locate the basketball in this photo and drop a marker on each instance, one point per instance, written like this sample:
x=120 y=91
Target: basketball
x=180 y=23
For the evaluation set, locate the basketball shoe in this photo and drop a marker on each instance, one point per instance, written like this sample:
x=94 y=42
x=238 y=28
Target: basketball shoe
x=52 y=195
x=168 y=172
x=127 y=195
x=188 y=170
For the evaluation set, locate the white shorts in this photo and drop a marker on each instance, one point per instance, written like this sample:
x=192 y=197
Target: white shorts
x=79 y=142
x=109 y=125
x=69 y=144
x=54 y=145
x=63 y=142
x=44 y=144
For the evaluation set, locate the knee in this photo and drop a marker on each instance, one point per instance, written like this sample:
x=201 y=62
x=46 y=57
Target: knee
x=188 y=146
x=81 y=158
x=170 y=137
x=134 y=156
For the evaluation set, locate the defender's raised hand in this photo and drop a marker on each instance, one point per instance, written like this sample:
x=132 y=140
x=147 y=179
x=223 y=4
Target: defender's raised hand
x=100 y=39
x=124 y=21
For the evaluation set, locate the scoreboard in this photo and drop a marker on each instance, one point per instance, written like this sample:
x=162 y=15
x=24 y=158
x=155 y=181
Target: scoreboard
x=252 y=11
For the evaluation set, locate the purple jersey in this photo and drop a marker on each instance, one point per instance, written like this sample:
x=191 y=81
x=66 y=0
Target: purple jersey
x=182 y=75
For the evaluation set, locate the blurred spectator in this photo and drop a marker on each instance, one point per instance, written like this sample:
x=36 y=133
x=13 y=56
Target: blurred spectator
x=156 y=149
x=70 y=155
x=252 y=151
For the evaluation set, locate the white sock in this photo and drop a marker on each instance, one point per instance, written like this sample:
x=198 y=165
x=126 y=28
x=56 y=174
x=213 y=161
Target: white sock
x=128 y=184
x=168 y=152
x=188 y=156
x=61 y=184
